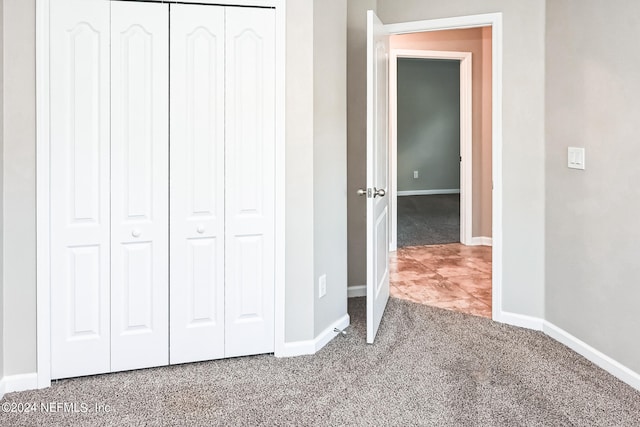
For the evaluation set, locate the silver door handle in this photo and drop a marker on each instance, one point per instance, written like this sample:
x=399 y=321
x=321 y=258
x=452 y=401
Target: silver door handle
x=378 y=192
x=362 y=192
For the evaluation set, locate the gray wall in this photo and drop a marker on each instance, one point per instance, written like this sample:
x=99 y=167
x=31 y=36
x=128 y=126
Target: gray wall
x=19 y=211
x=523 y=140
x=428 y=124
x=330 y=159
x=299 y=315
x=592 y=231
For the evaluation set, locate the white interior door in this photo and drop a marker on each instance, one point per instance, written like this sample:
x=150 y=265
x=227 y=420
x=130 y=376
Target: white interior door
x=250 y=181
x=80 y=335
x=377 y=173
x=197 y=183
x=139 y=185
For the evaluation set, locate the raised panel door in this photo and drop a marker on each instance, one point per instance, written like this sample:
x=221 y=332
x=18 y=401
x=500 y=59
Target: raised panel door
x=197 y=183
x=139 y=185
x=249 y=181
x=80 y=331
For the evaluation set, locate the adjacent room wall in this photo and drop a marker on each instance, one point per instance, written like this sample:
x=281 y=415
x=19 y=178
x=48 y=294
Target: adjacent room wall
x=592 y=236
x=478 y=42
x=330 y=159
x=523 y=137
x=428 y=124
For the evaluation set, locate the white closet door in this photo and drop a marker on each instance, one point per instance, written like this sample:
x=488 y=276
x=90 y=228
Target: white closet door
x=139 y=172
x=197 y=183
x=250 y=138
x=80 y=337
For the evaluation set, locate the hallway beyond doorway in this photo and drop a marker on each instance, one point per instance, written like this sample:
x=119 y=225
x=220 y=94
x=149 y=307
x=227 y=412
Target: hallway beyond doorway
x=454 y=277
x=428 y=220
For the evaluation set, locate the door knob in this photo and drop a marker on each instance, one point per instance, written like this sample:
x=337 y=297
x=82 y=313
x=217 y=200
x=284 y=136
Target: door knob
x=378 y=192
x=361 y=192
x=136 y=232
x=200 y=229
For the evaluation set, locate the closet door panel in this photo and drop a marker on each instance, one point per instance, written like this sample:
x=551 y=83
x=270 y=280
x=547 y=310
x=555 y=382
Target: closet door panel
x=80 y=336
x=139 y=186
x=197 y=183
x=250 y=191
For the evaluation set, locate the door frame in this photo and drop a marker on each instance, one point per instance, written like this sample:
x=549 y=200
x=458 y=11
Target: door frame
x=466 y=121
x=493 y=20
x=43 y=192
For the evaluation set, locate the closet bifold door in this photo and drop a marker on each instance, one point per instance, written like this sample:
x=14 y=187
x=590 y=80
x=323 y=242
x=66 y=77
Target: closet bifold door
x=249 y=180
x=197 y=183
x=139 y=185
x=80 y=335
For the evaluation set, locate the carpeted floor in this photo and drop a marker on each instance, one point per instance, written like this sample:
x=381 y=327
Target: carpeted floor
x=428 y=367
x=428 y=220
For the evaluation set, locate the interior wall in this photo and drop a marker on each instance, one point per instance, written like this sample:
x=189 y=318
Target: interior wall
x=330 y=159
x=356 y=136
x=428 y=124
x=299 y=223
x=469 y=40
x=592 y=84
x=523 y=137
x=19 y=230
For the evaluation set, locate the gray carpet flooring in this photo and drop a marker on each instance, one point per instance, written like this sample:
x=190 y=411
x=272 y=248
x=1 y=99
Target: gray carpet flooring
x=428 y=220
x=428 y=367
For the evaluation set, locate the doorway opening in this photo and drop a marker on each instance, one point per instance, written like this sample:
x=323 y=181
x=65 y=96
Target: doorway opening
x=441 y=168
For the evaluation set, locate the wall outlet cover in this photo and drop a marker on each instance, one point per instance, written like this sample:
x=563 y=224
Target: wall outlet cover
x=322 y=286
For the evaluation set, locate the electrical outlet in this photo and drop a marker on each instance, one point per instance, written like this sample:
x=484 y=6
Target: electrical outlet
x=322 y=286
x=415 y=174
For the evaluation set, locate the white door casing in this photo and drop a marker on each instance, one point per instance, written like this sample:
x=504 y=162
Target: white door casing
x=197 y=183
x=466 y=135
x=79 y=174
x=139 y=185
x=249 y=181
x=377 y=173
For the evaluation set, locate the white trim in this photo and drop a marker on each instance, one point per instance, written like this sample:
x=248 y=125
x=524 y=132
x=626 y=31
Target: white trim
x=520 y=320
x=20 y=382
x=43 y=266
x=357 y=291
x=481 y=241
x=280 y=205
x=302 y=348
x=452 y=23
x=466 y=136
x=2 y=389
x=494 y=20
x=43 y=257
x=426 y=193
x=610 y=365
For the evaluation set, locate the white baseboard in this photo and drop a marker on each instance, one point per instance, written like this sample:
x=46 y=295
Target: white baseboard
x=301 y=348
x=20 y=382
x=1 y=388
x=520 y=320
x=427 y=192
x=610 y=365
x=356 y=291
x=481 y=241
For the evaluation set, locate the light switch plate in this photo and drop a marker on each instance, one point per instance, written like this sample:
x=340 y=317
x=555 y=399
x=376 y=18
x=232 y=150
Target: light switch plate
x=415 y=175
x=575 y=158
